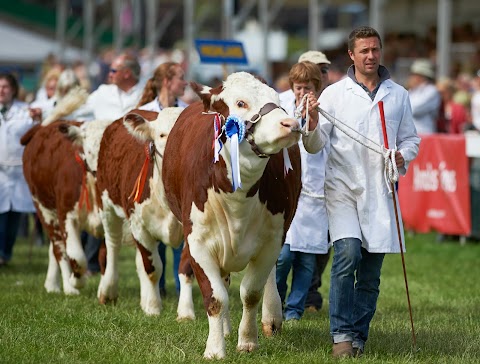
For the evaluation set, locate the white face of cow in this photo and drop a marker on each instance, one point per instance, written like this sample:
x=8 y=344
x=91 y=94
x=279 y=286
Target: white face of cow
x=245 y=96
x=157 y=130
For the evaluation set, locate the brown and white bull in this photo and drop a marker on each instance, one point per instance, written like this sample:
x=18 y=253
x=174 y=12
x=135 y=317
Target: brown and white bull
x=63 y=192
x=227 y=230
x=132 y=199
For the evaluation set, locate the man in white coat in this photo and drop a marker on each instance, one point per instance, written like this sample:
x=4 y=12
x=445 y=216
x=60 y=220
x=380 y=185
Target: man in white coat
x=110 y=102
x=360 y=209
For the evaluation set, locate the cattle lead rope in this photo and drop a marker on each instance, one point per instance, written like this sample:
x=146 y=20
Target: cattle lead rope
x=391 y=170
x=385 y=140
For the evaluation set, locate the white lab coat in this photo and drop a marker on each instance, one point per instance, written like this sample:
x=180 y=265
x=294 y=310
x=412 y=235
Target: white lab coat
x=308 y=232
x=154 y=105
x=14 y=192
x=109 y=102
x=425 y=100
x=358 y=202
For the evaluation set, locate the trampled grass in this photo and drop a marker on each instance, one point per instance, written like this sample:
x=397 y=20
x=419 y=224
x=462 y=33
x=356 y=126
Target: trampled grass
x=36 y=327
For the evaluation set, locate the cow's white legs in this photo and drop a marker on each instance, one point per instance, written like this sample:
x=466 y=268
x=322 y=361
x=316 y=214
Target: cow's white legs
x=185 y=309
x=251 y=290
x=215 y=297
x=65 y=268
x=52 y=281
x=75 y=251
x=272 y=306
x=108 y=287
x=149 y=270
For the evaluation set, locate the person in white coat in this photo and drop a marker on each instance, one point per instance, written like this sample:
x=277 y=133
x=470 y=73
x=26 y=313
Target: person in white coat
x=360 y=209
x=314 y=300
x=424 y=96
x=164 y=89
x=308 y=232
x=15 y=197
x=111 y=102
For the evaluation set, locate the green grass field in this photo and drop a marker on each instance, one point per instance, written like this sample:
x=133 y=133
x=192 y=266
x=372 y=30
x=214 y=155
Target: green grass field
x=36 y=327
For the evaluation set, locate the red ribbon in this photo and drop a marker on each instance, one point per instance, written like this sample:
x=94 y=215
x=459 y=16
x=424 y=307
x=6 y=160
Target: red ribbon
x=142 y=176
x=83 y=192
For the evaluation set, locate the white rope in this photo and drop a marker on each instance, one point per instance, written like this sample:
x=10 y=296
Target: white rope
x=391 y=170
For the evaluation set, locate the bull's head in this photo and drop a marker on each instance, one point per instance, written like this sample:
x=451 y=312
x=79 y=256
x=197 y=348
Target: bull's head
x=157 y=130
x=268 y=127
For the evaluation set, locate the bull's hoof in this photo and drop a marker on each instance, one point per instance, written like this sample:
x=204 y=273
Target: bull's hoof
x=214 y=355
x=185 y=318
x=70 y=291
x=247 y=347
x=104 y=300
x=52 y=288
x=78 y=282
x=271 y=329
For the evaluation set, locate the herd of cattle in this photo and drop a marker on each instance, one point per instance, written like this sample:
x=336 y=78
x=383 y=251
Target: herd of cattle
x=153 y=176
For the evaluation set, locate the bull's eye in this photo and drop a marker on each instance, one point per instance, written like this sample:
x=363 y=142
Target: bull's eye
x=241 y=104
x=162 y=135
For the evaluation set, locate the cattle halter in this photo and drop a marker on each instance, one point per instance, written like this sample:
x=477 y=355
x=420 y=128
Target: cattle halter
x=250 y=127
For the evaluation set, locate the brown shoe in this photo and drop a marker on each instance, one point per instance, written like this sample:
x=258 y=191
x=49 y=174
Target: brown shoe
x=342 y=350
x=357 y=352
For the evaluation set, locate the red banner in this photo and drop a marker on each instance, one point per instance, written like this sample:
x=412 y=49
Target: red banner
x=435 y=193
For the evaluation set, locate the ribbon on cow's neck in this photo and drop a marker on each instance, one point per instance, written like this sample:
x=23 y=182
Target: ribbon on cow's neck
x=287 y=164
x=83 y=191
x=142 y=176
x=235 y=130
x=217 y=143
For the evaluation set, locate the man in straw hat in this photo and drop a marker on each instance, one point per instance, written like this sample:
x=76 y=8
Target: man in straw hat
x=424 y=96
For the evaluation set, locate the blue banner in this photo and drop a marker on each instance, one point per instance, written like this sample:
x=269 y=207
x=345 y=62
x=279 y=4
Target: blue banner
x=221 y=51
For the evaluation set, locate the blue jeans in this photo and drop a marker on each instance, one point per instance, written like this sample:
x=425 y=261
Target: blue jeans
x=354 y=289
x=302 y=265
x=9 y=223
x=177 y=253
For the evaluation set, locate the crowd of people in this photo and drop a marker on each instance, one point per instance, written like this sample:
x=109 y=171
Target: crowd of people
x=336 y=207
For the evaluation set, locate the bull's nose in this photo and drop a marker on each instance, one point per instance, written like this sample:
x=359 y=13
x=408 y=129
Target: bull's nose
x=290 y=123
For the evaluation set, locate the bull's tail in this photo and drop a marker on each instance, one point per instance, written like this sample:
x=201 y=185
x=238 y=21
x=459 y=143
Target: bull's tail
x=29 y=134
x=75 y=98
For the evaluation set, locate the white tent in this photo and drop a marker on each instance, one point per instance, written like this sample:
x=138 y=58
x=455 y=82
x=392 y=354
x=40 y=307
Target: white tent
x=21 y=46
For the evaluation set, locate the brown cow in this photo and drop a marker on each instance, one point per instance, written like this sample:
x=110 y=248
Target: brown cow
x=133 y=203
x=63 y=192
x=226 y=229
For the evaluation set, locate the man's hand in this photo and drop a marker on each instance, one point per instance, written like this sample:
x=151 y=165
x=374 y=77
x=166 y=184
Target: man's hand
x=399 y=159
x=312 y=103
x=35 y=113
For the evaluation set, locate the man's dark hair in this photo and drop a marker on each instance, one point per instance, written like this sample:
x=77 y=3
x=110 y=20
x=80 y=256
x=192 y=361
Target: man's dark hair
x=361 y=33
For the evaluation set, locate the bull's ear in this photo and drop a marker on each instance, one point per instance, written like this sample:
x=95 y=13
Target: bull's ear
x=138 y=126
x=204 y=93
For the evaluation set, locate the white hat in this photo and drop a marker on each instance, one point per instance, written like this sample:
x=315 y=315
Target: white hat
x=423 y=67
x=314 y=57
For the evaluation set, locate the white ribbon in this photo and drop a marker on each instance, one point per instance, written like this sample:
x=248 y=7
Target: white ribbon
x=235 y=162
x=287 y=164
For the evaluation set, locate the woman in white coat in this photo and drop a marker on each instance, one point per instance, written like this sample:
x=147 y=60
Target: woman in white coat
x=308 y=233
x=360 y=208
x=15 y=197
x=162 y=90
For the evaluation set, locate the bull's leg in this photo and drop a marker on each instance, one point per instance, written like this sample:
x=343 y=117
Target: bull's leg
x=251 y=290
x=66 y=269
x=52 y=281
x=149 y=270
x=185 y=309
x=113 y=225
x=215 y=299
x=75 y=251
x=271 y=307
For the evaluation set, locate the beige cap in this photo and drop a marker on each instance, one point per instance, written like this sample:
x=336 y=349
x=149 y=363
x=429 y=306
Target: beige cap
x=423 y=67
x=314 y=57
